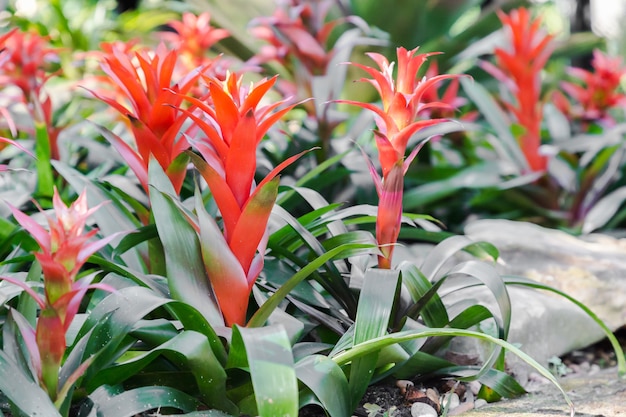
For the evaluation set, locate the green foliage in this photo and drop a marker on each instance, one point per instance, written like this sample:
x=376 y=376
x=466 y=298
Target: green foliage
x=316 y=323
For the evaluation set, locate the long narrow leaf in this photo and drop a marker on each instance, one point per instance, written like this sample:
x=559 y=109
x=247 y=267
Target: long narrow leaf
x=266 y=352
x=24 y=393
x=189 y=351
x=139 y=400
x=619 y=352
x=187 y=277
x=262 y=314
x=327 y=381
x=377 y=344
x=380 y=288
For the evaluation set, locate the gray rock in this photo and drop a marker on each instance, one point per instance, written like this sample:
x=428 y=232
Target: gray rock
x=601 y=394
x=419 y=409
x=592 y=269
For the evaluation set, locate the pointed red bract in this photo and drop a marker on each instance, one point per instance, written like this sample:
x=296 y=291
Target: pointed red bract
x=25 y=62
x=397 y=120
x=148 y=98
x=193 y=37
x=233 y=122
x=518 y=67
x=65 y=247
x=594 y=92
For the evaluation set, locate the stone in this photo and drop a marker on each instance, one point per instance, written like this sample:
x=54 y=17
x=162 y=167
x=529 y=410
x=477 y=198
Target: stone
x=450 y=400
x=601 y=394
x=420 y=409
x=591 y=269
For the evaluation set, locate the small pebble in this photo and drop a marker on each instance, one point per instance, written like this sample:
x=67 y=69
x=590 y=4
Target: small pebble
x=403 y=384
x=462 y=408
x=474 y=386
x=594 y=369
x=422 y=410
x=433 y=396
x=450 y=400
x=480 y=403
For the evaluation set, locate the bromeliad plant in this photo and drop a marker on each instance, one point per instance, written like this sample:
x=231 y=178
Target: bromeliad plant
x=222 y=301
x=518 y=68
x=571 y=181
x=65 y=248
x=232 y=124
x=146 y=96
x=397 y=122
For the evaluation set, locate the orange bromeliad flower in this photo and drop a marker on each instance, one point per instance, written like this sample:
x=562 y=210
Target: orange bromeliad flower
x=234 y=123
x=519 y=69
x=397 y=120
x=65 y=248
x=152 y=97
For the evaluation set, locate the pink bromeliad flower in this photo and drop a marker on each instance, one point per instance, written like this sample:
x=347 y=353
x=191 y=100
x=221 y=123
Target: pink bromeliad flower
x=233 y=122
x=594 y=92
x=397 y=120
x=519 y=68
x=65 y=247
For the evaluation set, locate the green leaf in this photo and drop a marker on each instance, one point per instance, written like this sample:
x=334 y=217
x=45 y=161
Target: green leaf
x=502 y=383
x=187 y=277
x=22 y=391
x=375 y=345
x=332 y=280
x=189 y=351
x=139 y=400
x=105 y=331
x=376 y=301
x=482 y=175
x=266 y=352
x=604 y=210
x=262 y=314
x=619 y=353
x=141 y=235
x=441 y=253
x=421 y=363
x=45 y=179
x=434 y=312
x=497 y=119
x=327 y=381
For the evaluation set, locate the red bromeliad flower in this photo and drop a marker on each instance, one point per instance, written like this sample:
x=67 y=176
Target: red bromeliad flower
x=397 y=120
x=519 y=69
x=146 y=83
x=194 y=37
x=65 y=248
x=234 y=124
x=450 y=99
x=595 y=92
x=24 y=62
